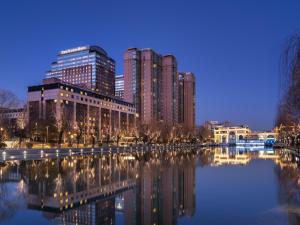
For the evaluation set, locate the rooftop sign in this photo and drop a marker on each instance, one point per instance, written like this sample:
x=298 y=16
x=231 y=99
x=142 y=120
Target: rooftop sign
x=71 y=50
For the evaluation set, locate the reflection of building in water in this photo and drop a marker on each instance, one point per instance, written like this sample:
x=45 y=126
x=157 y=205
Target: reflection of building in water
x=164 y=192
x=242 y=156
x=131 y=206
x=70 y=182
x=10 y=173
x=231 y=156
x=90 y=189
x=268 y=154
x=98 y=212
x=186 y=191
x=148 y=196
x=119 y=203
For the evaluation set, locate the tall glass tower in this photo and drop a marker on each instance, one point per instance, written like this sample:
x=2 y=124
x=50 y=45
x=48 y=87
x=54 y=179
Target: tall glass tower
x=86 y=66
x=119 y=86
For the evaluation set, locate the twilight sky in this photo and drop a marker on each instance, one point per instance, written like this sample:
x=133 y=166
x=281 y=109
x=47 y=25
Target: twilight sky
x=233 y=47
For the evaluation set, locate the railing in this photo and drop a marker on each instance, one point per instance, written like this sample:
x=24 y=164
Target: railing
x=31 y=154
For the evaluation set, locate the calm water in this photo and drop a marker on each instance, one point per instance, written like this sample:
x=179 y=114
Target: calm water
x=215 y=186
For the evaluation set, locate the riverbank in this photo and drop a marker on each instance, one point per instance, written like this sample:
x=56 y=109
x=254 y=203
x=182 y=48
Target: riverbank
x=31 y=154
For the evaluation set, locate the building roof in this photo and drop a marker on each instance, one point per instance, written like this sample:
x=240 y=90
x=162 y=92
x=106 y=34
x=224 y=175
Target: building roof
x=90 y=48
x=76 y=89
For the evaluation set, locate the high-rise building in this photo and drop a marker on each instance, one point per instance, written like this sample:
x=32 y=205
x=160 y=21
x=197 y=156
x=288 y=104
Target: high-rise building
x=86 y=66
x=119 y=86
x=169 y=91
x=151 y=76
x=150 y=81
x=142 y=81
x=158 y=91
x=132 y=77
x=186 y=99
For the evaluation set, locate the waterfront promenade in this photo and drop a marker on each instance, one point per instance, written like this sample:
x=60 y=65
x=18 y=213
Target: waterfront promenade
x=32 y=154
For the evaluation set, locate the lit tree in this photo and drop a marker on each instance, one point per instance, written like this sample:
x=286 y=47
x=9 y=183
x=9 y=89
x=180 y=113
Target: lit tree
x=8 y=100
x=289 y=108
x=63 y=123
x=288 y=115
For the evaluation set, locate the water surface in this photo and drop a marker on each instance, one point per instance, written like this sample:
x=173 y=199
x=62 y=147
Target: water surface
x=205 y=186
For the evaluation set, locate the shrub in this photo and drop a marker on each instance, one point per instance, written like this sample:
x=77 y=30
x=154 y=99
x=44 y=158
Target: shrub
x=3 y=145
x=29 y=145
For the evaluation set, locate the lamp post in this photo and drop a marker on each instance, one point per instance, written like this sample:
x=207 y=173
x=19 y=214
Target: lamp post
x=1 y=137
x=36 y=131
x=47 y=134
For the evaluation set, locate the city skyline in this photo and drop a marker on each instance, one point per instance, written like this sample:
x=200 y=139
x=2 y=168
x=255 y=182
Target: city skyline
x=150 y=112
x=198 y=39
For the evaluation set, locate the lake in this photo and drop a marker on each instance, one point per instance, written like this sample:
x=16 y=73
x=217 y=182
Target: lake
x=205 y=186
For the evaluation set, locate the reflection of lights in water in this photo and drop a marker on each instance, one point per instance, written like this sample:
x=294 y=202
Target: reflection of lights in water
x=4 y=155
x=119 y=206
x=21 y=187
x=58 y=183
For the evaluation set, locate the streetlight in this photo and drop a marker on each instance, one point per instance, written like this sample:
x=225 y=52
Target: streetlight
x=47 y=128
x=36 y=131
x=1 y=137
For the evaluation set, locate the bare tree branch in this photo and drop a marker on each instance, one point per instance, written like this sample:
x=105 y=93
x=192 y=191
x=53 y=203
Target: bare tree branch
x=9 y=100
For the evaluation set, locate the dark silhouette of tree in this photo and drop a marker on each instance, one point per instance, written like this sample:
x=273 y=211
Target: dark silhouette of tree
x=289 y=107
x=9 y=100
x=203 y=133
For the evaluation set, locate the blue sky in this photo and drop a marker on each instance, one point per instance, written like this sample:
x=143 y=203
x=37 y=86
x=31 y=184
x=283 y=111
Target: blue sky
x=233 y=47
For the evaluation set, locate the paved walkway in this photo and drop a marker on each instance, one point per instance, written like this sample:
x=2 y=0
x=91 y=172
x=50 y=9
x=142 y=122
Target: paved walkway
x=31 y=154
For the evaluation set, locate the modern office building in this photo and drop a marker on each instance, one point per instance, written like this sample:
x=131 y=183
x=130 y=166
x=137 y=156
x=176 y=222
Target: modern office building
x=79 y=108
x=186 y=99
x=119 y=86
x=86 y=66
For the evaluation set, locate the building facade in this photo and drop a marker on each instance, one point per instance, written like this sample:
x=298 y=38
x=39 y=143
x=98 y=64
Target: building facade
x=151 y=75
x=12 y=119
x=230 y=134
x=186 y=99
x=142 y=81
x=132 y=77
x=86 y=66
x=74 y=108
x=119 y=86
x=169 y=91
x=151 y=84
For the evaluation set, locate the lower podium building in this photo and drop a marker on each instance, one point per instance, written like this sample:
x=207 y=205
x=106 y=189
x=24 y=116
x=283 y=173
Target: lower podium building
x=76 y=112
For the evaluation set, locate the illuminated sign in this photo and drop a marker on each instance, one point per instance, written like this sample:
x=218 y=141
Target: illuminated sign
x=71 y=50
